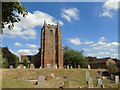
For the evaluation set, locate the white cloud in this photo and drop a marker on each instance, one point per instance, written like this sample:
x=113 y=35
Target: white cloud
x=75 y=41
x=26 y=28
x=102 y=48
x=108 y=7
x=17 y=44
x=116 y=56
x=32 y=46
x=27 y=52
x=70 y=13
x=88 y=42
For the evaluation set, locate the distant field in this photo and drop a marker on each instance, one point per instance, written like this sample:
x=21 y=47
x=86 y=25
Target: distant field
x=18 y=78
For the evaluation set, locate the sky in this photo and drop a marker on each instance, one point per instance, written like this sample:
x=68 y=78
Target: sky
x=88 y=26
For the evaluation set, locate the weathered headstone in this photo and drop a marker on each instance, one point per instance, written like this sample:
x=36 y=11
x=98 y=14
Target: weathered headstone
x=67 y=67
x=41 y=80
x=99 y=81
x=117 y=79
x=87 y=74
x=71 y=67
x=11 y=66
x=18 y=67
x=89 y=67
x=24 y=67
x=54 y=66
x=32 y=66
x=48 y=65
x=112 y=77
x=79 y=66
x=90 y=83
x=52 y=75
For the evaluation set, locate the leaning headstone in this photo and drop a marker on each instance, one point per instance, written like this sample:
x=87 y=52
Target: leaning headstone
x=87 y=74
x=32 y=66
x=48 y=65
x=112 y=77
x=89 y=67
x=52 y=75
x=67 y=67
x=41 y=80
x=90 y=83
x=117 y=79
x=11 y=66
x=99 y=81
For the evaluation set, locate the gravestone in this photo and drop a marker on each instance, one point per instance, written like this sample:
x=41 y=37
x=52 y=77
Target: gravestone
x=52 y=75
x=71 y=67
x=112 y=77
x=32 y=66
x=18 y=67
x=117 y=79
x=67 y=67
x=87 y=74
x=48 y=65
x=11 y=66
x=54 y=66
x=90 y=83
x=99 y=81
x=79 y=66
x=89 y=67
x=41 y=80
x=24 y=67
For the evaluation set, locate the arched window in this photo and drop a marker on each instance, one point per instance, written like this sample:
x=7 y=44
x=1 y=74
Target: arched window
x=51 y=32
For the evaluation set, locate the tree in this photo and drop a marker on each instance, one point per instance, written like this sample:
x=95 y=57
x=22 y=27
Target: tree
x=5 y=63
x=113 y=69
x=74 y=58
x=11 y=12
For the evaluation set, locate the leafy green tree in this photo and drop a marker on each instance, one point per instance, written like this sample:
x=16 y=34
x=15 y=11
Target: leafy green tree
x=25 y=63
x=74 y=58
x=11 y=12
x=5 y=63
x=113 y=69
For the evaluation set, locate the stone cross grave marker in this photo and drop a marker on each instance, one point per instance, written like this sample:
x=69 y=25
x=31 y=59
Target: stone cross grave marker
x=41 y=80
x=90 y=83
x=117 y=79
x=11 y=66
x=87 y=74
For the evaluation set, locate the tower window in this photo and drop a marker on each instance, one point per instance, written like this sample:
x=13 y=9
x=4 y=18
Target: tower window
x=51 y=32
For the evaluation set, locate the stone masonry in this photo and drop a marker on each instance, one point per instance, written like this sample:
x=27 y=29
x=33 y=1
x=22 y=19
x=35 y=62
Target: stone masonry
x=51 y=46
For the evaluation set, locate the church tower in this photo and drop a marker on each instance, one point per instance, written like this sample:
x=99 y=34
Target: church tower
x=51 y=46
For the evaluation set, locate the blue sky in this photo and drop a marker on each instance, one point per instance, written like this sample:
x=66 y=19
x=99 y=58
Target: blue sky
x=88 y=26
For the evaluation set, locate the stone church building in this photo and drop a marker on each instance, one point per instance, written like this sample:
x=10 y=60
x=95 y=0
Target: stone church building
x=50 y=54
